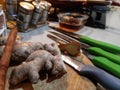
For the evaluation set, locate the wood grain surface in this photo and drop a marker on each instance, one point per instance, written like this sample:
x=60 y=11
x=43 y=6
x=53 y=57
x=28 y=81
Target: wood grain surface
x=70 y=81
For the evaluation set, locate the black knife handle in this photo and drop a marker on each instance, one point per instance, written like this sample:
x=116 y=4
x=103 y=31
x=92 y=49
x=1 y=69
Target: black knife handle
x=105 y=79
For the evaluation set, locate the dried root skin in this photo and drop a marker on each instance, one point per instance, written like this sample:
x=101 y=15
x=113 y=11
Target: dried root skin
x=36 y=62
x=23 y=50
x=52 y=48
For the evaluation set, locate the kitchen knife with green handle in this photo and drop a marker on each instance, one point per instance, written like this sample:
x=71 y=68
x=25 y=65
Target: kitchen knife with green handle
x=107 y=80
x=106 y=46
x=105 y=64
x=96 y=43
x=100 y=52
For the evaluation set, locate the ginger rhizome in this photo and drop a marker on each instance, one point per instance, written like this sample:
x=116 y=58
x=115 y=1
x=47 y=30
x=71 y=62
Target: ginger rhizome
x=36 y=61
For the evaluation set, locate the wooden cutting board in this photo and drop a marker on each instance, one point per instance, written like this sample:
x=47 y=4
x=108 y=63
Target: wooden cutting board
x=70 y=81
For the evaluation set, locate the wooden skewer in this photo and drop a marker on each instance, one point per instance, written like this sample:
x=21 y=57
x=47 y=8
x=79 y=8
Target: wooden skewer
x=5 y=58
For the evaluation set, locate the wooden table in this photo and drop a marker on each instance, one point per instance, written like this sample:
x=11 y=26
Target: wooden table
x=70 y=81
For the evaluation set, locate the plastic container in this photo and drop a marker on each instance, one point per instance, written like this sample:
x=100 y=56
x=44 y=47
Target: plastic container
x=72 y=22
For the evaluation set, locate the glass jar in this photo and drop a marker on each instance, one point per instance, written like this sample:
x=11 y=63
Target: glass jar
x=2 y=20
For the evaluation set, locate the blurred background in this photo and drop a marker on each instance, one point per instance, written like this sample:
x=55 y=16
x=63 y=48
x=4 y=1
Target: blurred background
x=100 y=15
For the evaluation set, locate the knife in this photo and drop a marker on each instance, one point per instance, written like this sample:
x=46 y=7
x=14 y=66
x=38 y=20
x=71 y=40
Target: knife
x=105 y=64
x=106 y=46
x=93 y=50
x=105 y=79
x=100 y=61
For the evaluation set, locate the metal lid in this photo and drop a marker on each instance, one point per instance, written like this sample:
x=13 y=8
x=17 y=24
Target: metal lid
x=28 y=0
x=38 y=7
x=27 y=5
x=35 y=3
x=46 y=4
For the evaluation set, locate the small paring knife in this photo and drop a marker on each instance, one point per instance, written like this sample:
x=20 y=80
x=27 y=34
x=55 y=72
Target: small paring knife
x=106 y=46
x=105 y=79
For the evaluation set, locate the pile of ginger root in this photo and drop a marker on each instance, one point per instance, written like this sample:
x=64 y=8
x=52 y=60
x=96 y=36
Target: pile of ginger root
x=36 y=61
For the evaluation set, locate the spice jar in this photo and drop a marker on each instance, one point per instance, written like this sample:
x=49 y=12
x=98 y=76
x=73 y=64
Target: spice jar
x=2 y=21
x=11 y=8
x=1 y=18
x=24 y=15
x=45 y=11
x=37 y=12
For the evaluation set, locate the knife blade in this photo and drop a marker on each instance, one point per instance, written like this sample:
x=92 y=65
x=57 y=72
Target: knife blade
x=107 y=80
x=90 y=41
x=60 y=41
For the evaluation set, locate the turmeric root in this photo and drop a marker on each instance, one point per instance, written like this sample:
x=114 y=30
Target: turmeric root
x=37 y=61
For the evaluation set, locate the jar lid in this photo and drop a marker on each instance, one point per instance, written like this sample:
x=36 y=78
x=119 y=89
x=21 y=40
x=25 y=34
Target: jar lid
x=35 y=3
x=46 y=4
x=28 y=0
x=27 y=5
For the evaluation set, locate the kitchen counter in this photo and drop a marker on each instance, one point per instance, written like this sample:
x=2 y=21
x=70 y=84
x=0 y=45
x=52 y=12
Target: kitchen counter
x=107 y=35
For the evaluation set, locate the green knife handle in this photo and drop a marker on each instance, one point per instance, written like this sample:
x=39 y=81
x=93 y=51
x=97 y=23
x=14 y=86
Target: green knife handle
x=107 y=65
x=100 y=52
x=106 y=46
